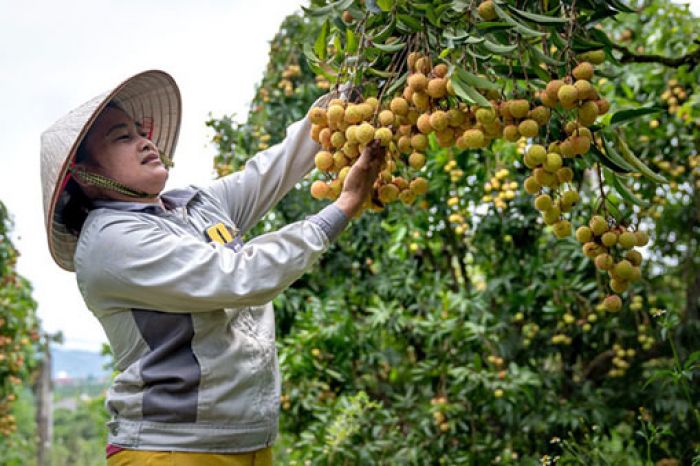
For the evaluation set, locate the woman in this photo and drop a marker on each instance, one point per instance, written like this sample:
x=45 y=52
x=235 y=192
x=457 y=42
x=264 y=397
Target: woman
x=184 y=303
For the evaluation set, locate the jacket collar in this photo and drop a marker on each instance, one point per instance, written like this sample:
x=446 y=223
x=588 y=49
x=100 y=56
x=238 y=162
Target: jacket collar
x=172 y=199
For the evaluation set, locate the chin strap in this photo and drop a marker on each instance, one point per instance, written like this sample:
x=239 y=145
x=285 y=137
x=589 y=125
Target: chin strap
x=107 y=183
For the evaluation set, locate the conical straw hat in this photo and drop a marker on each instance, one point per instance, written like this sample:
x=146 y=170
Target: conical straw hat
x=151 y=96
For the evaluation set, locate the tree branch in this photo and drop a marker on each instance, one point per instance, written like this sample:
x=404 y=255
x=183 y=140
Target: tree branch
x=691 y=59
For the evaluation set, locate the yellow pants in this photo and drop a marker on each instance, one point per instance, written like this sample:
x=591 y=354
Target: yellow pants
x=178 y=458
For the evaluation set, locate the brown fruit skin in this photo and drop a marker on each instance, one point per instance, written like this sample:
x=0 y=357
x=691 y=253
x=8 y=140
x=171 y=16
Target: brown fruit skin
x=531 y=185
x=627 y=240
x=604 y=262
x=319 y=190
x=317 y=115
x=580 y=144
x=528 y=128
x=440 y=70
x=510 y=133
x=324 y=160
x=411 y=60
x=423 y=124
x=543 y=202
x=623 y=270
x=642 y=238
x=419 y=185
x=417 y=82
x=568 y=96
x=438 y=120
x=540 y=115
x=619 y=286
x=592 y=250
x=421 y=100
x=562 y=229
x=612 y=303
x=583 y=70
x=437 y=88
x=347 y=17
x=603 y=106
x=547 y=101
x=635 y=258
x=587 y=113
x=399 y=106
x=609 y=239
x=552 y=89
x=487 y=11
x=584 y=234
x=585 y=90
x=423 y=65
x=519 y=108
x=416 y=160
x=598 y=225
x=565 y=174
x=388 y=193
x=474 y=138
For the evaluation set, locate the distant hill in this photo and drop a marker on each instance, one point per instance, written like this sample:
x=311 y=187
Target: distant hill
x=78 y=364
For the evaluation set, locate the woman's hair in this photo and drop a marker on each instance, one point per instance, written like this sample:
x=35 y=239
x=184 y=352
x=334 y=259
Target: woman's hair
x=78 y=204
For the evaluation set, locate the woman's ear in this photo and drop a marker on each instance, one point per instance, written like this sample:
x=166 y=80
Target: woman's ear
x=90 y=190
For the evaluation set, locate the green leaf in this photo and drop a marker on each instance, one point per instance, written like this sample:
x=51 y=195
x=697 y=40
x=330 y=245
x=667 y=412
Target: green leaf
x=468 y=93
x=384 y=33
x=390 y=47
x=542 y=57
x=350 y=42
x=410 y=22
x=620 y=6
x=623 y=190
x=600 y=157
x=398 y=83
x=499 y=49
x=632 y=113
x=612 y=155
x=521 y=28
x=320 y=46
x=385 y=5
x=328 y=9
x=309 y=53
x=474 y=80
x=380 y=73
x=493 y=26
x=535 y=18
x=635 y=162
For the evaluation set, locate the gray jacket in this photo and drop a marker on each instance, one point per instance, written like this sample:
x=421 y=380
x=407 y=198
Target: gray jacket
x=187 y=310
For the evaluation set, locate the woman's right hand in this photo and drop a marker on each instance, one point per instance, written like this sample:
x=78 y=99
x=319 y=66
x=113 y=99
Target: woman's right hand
x=360 y=179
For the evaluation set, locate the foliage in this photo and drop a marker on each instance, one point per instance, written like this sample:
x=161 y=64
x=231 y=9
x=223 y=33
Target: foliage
x=489 y=345
x=79 y=435
x=19 y=338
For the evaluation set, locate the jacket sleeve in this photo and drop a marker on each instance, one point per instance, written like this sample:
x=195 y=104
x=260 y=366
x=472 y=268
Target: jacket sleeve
x=248 y=194
x=126 y=261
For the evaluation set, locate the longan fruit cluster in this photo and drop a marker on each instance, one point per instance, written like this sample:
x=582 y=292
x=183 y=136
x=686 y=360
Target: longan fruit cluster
x=439 y=418
x=612 y=248
x=344 y=130
x=620 y=360
x=674 y=95
x=499 y=190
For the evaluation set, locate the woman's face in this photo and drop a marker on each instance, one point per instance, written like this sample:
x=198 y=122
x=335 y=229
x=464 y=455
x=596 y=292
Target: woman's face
x=119 y=150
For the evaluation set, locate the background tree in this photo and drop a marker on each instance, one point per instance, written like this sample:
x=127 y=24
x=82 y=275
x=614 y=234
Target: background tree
x=456 y=330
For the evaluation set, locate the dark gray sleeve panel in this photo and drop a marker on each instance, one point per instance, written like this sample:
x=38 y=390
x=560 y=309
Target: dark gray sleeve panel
x=332 y=221
x=170 y=370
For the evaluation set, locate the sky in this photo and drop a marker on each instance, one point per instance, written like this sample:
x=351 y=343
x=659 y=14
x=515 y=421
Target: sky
x=56 y=55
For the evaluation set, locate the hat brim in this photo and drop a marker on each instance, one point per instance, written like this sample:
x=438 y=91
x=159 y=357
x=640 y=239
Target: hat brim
x=151 y=94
